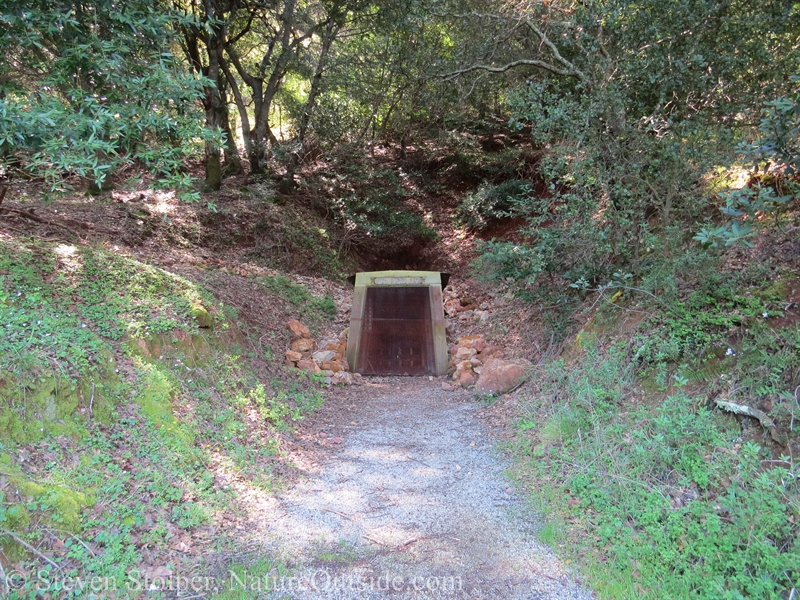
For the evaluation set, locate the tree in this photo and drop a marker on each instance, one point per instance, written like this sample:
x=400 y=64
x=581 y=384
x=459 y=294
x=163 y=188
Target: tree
x=87 y=88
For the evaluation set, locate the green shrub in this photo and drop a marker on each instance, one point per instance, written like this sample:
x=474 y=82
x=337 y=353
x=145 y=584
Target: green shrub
x=492 y=202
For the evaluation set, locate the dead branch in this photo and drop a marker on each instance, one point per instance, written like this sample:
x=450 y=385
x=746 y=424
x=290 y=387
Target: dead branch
x=36 y=218
x=373 y=540
x=742 y=409
x=3 y=581
x=22 y=542
x=336 y=512
x=74 y=537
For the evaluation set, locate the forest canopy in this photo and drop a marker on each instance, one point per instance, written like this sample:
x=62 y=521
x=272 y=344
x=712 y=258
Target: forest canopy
x=90 y=87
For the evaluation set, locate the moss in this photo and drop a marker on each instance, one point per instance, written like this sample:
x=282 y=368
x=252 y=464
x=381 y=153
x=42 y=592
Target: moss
x=155 y=396
x=202 y=316
x=53 y=405
x=17 y=518
x=777 y=290
x=55 y=504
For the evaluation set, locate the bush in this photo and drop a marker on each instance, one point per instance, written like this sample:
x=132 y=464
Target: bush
x=494 y=202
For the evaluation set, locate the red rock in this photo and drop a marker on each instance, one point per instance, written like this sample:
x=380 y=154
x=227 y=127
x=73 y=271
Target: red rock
x=303 y=346
x=447 y=387
x=467 y=379
x=491 y=351
x=308 y=365
x=332 y=365
x=469 y=341
x=298 y=330
x=293 y=356
x=465 y=353
x=500 y=376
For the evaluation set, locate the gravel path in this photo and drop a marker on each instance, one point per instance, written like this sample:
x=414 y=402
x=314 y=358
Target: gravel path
x=411 y=504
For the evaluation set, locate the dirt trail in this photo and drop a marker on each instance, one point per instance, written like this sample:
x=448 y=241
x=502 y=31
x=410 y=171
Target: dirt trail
x=410 y=503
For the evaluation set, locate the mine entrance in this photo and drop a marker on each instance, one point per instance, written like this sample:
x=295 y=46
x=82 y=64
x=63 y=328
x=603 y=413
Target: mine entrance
x=396 y=332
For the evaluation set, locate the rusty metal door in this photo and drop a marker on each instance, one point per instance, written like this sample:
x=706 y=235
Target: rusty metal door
x=396 y=332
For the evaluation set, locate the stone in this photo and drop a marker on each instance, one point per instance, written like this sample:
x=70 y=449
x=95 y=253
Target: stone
x=500 y=376
x=342 y=378
x=323 y=356
x=470 y=341
x=308 y=365
x=298 y=330
x=467 y=379
x=303 y=345
x=332 y=365
x=475 y=361
x=344 y=334
x=291 y=355
x=492 y=351
x=327 y=373
x=447 y=387
x=333 y=346
x=465 y=353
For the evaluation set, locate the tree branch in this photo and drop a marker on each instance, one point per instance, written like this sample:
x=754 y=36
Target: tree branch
x=546 y=41
x=517 y=63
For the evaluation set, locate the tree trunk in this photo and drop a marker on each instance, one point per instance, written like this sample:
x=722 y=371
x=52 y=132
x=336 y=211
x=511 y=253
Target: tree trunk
x=215 y=109
x=327 y=41
x=233 y=162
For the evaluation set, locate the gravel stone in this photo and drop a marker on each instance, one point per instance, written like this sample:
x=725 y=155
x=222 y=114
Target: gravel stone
x=412 y=504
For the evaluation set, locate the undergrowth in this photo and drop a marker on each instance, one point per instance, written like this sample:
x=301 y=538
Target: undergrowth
x=660 y=499
x=132 y=414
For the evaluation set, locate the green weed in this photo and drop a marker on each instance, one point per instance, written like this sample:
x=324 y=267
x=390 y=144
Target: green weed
x=310 y=307
x=669 y=498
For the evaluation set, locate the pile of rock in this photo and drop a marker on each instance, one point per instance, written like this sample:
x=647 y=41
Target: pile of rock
x=464 y=309
x=328 y=358
x=468 y=356
x=476 y=362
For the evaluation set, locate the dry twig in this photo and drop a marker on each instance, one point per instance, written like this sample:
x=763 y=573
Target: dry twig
x=26 y=545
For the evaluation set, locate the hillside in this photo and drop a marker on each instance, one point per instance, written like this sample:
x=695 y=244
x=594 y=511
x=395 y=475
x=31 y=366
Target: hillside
x=614 y=189
x=148 y=418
